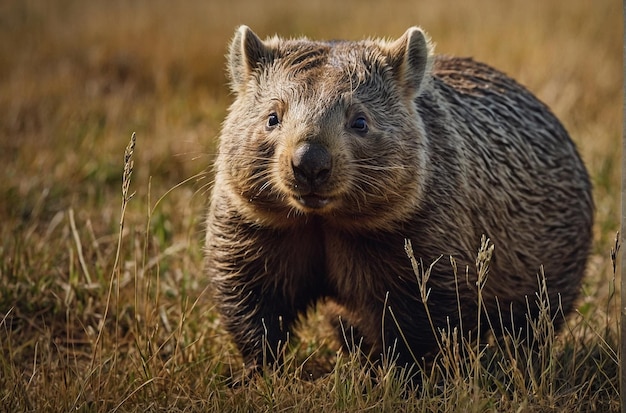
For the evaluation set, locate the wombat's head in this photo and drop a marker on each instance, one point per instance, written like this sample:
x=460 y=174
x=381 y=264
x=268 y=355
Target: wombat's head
x=326 y=128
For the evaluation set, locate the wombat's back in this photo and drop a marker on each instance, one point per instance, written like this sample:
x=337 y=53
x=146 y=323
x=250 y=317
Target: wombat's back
x=517 y=173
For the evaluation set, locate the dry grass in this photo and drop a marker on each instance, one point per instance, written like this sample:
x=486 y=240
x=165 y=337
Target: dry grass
x=104 y=308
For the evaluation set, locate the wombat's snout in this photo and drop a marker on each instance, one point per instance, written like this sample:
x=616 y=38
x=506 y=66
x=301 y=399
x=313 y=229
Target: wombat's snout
x=311 y=164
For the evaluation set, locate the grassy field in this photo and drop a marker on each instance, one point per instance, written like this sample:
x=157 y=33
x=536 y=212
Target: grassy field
x=103 y=303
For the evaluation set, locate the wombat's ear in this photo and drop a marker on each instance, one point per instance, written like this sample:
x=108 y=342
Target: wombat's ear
x=246 y=53
x=409 y=58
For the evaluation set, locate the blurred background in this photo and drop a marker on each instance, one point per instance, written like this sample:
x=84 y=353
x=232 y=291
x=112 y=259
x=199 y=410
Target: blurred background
x=77 y=77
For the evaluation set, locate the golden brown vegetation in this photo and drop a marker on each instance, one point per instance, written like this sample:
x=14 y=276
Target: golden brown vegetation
x=104 y=308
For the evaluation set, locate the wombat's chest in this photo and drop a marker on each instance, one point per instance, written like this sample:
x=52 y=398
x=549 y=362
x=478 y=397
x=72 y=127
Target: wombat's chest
x=360 y=266
x=350 y=265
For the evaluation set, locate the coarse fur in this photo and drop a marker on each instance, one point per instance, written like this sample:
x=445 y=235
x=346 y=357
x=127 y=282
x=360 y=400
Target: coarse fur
x=333 y=154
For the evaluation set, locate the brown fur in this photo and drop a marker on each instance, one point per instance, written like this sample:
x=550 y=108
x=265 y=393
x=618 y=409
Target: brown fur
x=335 y=153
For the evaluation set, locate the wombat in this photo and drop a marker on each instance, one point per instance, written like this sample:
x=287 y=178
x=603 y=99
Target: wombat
x=334 y=154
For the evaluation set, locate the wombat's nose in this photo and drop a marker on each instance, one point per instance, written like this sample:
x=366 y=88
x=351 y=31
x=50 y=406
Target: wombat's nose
x=311 y=165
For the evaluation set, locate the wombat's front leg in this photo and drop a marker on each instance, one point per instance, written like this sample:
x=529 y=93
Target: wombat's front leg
x=260 y=288
x=248 y=294
x=257 y=317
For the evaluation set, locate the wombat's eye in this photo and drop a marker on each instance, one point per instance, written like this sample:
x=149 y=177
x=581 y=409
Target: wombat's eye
x=359 y=124
x=272 y=120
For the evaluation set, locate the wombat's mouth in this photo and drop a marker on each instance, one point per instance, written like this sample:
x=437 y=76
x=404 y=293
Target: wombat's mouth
x=313 y=201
